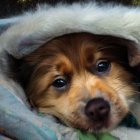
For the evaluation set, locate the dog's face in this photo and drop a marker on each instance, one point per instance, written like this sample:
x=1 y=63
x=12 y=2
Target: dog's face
x=81 y=79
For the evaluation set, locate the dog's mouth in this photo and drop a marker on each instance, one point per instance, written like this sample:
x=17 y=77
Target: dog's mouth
x=98 y=112
x=92 y=126
x=97 y=117
x=101 y=125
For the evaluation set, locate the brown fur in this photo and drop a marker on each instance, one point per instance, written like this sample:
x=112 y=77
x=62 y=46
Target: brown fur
x=74 y=57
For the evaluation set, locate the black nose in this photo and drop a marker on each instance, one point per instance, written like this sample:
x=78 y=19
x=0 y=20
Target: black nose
x=97 y=109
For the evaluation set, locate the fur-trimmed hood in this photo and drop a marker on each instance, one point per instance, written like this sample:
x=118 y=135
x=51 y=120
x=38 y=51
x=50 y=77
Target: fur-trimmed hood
x=33 y=29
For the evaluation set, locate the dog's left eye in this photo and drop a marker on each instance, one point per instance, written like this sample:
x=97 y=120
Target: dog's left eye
x=60 y=83
x=102 y=66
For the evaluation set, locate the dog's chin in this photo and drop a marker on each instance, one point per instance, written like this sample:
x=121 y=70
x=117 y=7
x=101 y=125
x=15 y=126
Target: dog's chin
x=94 y=126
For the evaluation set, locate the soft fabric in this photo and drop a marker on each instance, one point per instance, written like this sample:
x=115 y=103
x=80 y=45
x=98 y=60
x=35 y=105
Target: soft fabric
x=130 y=121
x=23 y=34
x=6 y=23
x=35 y=28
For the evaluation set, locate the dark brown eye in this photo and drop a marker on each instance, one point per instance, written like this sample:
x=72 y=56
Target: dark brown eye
x=103 y=66
x=59 y=83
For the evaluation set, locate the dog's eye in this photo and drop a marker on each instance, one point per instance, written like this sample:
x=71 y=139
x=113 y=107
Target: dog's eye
x=103 y=66
x=60 y=83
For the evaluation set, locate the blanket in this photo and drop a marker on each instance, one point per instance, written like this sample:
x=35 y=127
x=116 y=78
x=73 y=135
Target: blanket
x=23 y=34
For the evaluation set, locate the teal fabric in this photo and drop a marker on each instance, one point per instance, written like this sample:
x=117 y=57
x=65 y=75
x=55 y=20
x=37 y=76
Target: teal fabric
x=16 y=120
x=130 y=121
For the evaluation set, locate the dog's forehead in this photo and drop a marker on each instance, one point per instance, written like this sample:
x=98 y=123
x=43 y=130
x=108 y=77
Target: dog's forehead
x=78 y=51
x=74 y=50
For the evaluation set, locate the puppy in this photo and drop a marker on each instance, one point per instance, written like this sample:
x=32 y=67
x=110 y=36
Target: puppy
x=82 y=79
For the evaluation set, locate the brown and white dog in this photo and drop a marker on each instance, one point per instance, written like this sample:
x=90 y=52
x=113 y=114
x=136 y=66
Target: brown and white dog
x=82 y=79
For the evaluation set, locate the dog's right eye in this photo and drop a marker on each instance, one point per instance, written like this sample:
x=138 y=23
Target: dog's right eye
x=60 y=83
x=102 y=66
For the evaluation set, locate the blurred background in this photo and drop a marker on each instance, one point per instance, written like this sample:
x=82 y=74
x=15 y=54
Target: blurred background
x=14 y=7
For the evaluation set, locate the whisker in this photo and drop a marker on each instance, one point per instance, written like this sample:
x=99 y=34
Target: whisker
x=138 y=92
x=135 y=102
x=121 y=87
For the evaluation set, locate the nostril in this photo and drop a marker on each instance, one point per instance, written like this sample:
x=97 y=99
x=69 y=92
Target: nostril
x=90 y=114
x=97 y=109
x=103 y=110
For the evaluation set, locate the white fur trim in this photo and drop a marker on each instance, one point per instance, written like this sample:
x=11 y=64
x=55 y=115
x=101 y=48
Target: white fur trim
x=35 y=28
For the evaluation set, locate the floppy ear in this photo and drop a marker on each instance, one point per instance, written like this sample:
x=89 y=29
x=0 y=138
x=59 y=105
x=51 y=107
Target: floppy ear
x=134 y=54
x=134 y=58
x=134 y=61
x=132 y=48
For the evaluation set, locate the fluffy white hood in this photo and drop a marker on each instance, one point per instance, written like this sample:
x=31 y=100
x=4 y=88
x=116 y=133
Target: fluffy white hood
x=32 y=29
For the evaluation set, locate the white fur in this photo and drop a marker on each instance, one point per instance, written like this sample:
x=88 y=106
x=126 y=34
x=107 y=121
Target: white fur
x=35 y=28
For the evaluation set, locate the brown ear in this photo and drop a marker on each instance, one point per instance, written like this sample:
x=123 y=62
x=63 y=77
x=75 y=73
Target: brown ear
x=134 y=58
x=134 y=54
